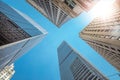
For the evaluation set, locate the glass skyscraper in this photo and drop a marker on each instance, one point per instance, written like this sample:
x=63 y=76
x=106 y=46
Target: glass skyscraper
x=74 y=67
x=18 y=34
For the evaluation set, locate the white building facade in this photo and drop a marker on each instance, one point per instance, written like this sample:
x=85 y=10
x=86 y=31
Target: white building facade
x=7 y=72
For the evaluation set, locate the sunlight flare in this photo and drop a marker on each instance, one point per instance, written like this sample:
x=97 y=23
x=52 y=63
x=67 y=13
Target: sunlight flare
x=103 y=8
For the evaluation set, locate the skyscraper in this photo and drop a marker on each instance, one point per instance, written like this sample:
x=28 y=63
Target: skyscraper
x=18 y=34
x=7 y=72
x=74 y=67
x=103 y=34
x=60 y=11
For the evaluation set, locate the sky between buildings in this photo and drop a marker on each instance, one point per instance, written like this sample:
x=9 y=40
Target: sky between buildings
x=41 y=63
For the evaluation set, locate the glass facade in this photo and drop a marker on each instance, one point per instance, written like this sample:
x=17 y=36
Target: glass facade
x=74 y=67
x=10 y=32
x=19 y=34
x=70 y=3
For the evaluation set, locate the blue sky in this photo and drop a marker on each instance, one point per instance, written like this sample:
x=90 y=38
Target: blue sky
x=41 y=63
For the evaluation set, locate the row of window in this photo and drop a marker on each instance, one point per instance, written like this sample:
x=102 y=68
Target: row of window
x=55 y=14
x=46 y=6
x=112 y=56
x=5 y=73
x=105 y=46
x=102 y=30
x=102 y=36
x=114 y=19
x=83 y=71
x=104 y=24
x=70 y=3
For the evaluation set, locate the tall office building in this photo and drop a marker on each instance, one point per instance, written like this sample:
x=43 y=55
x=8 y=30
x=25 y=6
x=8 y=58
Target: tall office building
x=18 y=34
x=103 y=34
x=7 y=72
x=74 y=67
x=60 y=11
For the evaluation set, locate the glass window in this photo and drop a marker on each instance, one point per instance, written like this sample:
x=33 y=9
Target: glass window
x=70 y=3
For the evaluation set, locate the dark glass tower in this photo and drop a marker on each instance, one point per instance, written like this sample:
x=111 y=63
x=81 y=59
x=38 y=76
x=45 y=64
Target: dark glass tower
x=74 y=67
x=18 y=34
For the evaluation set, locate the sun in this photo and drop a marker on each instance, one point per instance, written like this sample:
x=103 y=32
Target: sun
x=103 y=9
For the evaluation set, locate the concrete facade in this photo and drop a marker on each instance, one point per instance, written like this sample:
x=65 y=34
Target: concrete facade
x=60 y=11
x=7 y=72
x=103 y=34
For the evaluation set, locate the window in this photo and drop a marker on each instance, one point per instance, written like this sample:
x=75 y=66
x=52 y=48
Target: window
x=106 y=46
x=107 y=36
x=70 y=3
x=119 y=50
x=119 y=38
x=113 y=37
x=113 y=48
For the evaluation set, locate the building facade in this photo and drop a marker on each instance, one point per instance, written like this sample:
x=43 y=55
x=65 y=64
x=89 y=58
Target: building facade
x=60 y=11
x=7 y=72
x=74 y=67
x=18 y=34
x=103 y=34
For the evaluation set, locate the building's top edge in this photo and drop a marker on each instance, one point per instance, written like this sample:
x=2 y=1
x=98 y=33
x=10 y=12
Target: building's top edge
x=61 y=45
x=30 y=20
x=4 y=9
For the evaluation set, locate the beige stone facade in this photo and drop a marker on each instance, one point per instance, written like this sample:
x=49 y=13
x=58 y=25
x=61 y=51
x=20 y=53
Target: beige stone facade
x=7 y=72
x=103 y=34
x=60 y=11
